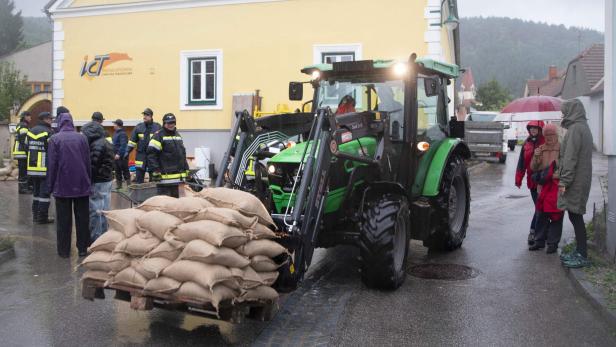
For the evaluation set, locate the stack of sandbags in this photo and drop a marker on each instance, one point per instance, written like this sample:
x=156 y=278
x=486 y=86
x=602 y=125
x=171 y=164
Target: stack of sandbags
x=211 y=247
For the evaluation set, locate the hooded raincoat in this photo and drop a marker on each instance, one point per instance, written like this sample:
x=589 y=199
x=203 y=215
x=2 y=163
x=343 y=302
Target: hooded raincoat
x=68 y=170
x=575 y=160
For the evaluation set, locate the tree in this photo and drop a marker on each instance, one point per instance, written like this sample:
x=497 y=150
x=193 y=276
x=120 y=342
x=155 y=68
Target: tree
x=492 y=96
x=11 y=27
x=13 y=88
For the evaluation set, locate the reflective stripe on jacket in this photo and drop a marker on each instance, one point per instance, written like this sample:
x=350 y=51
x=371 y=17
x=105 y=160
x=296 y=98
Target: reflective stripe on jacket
x=19 y=148
x=36 y=148
x=167 y=155
x=139 y=139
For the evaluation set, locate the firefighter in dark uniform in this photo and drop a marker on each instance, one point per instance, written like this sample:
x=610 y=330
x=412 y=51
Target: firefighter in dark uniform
x=19 y=152
x=167 y=158
x=36 y=148
x=140 y=138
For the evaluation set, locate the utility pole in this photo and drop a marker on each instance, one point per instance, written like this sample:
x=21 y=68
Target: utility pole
x=609 y=129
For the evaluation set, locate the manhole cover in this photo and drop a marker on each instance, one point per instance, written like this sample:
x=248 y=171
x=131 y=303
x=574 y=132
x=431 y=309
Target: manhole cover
x=451 y=272
x=511 y=196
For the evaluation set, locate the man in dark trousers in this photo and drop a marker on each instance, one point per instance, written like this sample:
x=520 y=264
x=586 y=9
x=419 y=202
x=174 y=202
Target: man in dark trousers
x=36 y=147
x=167 y=158
x=19 y=152
x=120 y=143
x=140 y=138
x=69 y=179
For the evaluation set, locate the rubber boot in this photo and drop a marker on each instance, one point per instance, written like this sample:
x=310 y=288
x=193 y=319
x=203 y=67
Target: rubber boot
x=43 y=214
x=23 y=188
x=35 y=211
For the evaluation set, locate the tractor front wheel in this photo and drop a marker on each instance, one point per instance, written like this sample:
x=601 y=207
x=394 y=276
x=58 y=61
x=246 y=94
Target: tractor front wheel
x=384 y=242
x=452 y=208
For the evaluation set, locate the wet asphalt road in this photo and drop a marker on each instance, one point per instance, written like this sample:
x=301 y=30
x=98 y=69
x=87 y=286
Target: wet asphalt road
x=517 y=297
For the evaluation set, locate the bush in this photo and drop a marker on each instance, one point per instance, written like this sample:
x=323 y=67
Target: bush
x=6 y=242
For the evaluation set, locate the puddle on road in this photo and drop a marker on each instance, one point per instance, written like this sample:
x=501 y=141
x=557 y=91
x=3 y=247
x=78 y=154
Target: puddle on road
x=513 y=196
x=451 y=272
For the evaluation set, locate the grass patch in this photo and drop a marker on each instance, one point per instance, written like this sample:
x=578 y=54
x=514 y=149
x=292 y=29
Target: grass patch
x=6 y=242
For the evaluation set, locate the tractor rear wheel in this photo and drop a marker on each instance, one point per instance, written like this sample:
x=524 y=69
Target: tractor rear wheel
x=452 y=208
x=384 y=242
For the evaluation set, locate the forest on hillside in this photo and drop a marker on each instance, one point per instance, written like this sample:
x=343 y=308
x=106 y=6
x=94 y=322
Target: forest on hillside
x=513 y=50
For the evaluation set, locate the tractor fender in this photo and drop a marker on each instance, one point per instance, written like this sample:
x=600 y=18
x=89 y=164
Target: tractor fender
x=380 y=188
x=444 y=152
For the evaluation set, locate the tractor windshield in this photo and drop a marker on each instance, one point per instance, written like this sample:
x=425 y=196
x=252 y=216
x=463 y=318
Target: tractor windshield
x=344 y=97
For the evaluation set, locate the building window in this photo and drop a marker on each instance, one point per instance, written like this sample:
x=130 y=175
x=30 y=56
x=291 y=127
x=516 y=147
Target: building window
x=37 y=88
x=336 y=57
x=201 y=80
x=336 y=53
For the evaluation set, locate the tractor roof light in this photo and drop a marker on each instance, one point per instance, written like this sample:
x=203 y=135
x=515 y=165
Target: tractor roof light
x=316 y=74
x=401 y=69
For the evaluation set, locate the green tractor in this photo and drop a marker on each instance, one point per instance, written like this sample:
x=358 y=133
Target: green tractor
x=373 y=160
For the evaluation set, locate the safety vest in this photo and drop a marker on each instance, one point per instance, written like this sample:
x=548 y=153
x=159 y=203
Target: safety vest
x=19 y=148
x=109 y=139
x=167 y=155
x=36 y=144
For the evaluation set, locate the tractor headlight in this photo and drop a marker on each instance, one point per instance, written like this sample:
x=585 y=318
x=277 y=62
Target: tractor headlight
x=271 y=169
x=316 y=74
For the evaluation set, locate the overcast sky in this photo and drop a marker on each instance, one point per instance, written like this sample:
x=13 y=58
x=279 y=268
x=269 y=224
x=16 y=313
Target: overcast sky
x=583 y=13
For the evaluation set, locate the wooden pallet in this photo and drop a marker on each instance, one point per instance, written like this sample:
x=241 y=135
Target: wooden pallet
x=139 y=300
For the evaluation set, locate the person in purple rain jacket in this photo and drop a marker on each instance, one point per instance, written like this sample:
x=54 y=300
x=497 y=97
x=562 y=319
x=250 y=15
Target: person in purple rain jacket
x=68 y=176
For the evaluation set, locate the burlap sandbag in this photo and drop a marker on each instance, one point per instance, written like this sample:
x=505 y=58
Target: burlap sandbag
x=194 y=292
x=268 y=278
x=138 y=245
x=158 y=223
x=97 y=261
x=96 y=275
x=238 y=200
x=206 y=275
x=107 y=241
x=261 y=293
x=156 y=203
x=169 y=249
x=163 y=285
x=261 y=247
x=118 y=262
x=151 y=267
x=259 y=232
x=262 y=263
x=187 y=207
x=212 y=232
x=128 y=277
x=124 y=220
x=204 y=252
x=225 y=216
x=247 y=277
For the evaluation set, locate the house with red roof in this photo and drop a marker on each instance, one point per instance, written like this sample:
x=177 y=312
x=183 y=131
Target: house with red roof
x=549 y=86
x=467 y=92
x=584 y=80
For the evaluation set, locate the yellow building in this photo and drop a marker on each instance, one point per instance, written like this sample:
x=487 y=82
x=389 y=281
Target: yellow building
x=191 y=57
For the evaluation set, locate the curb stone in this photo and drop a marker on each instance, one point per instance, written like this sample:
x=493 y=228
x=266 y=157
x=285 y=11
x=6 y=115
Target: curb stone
x=592 y=294
x=7 y=255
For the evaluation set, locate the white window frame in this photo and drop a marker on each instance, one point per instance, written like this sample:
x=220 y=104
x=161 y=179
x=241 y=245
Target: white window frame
x=320 y=49
x=185 y=94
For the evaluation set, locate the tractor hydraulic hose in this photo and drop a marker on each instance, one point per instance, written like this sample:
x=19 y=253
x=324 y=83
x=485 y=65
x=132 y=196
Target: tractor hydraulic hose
x=308 y=169
x=225 y=159
x=299 y=171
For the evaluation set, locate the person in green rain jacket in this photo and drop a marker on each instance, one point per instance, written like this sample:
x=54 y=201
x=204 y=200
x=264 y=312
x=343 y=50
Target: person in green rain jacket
x=575 y=174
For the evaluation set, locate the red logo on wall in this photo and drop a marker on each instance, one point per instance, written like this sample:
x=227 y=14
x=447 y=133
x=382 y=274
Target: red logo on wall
x=99 y=65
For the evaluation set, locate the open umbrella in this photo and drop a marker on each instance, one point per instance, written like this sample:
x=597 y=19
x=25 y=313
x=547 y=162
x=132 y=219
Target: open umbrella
x=541 y=107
